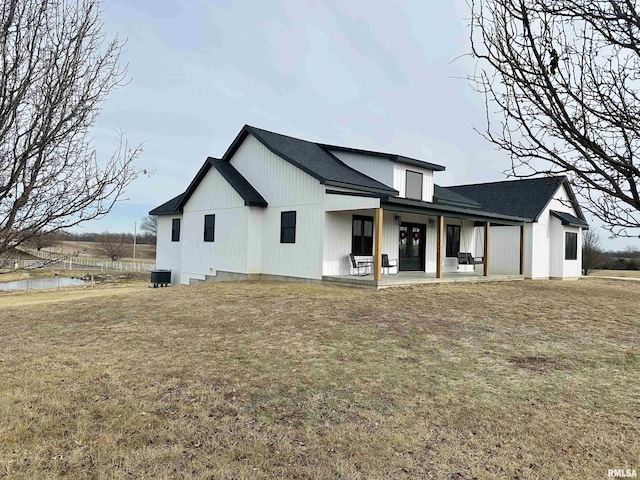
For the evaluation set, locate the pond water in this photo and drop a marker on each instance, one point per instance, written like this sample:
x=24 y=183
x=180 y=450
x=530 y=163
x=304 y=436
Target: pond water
x=39 y=283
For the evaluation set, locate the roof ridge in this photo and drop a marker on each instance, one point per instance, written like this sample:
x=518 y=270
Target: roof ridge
x=325 y=146
x=280 y=134
x=555 y=177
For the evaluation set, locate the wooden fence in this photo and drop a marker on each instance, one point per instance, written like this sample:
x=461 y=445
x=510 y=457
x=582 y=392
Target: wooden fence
x=76 y=262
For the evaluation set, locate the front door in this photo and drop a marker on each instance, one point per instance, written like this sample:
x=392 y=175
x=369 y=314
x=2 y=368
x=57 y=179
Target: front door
x=412 y=247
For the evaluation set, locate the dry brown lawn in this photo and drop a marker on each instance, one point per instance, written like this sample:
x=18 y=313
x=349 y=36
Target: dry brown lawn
x=616 y=273
x=522 y=380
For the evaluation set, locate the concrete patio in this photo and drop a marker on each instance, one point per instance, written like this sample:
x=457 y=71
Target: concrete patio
x=415 y=278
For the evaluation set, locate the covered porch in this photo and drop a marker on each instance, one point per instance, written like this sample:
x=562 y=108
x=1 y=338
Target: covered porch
x=427 y=242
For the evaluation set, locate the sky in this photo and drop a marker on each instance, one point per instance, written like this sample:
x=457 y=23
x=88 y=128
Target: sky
x=386 y=75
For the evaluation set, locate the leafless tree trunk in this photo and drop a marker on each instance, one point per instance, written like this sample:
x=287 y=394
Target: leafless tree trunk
x=563 y=77
x=114 y=246
x=56 y=69
x=591 y=252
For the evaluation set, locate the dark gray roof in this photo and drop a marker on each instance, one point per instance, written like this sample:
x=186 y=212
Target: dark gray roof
x=240 y=184
x=523 y=198
x=311 y=158
x=168 y=208
x=446 y=196
x=408 y=205
x=389 y=156
x=250 y=195
x=568 y=219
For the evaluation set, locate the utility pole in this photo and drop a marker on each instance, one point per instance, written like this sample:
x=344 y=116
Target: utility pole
x=134 y=240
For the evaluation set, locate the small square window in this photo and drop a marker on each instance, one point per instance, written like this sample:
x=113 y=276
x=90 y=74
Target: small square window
x=288 y=227
x=570 y=246
x=209 y=227
x=413 y=188
x=175 y=230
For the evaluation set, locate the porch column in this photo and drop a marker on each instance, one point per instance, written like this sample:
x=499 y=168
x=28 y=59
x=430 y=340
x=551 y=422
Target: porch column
x=521 y=249
x=377 y=245
x=440 y=245
x=485 y=257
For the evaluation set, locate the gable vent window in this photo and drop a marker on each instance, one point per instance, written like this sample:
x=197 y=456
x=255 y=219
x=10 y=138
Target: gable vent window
x=209 y=227
x=175 y=230
x=288 y=227
x=413 y=187
x=570 y=246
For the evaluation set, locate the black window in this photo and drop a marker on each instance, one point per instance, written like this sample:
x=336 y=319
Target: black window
x=362 y=235
x=175 y=230
x=570 y=246
x=453 y=240
x=413 y=187
x=288 y=227
x=209 y=227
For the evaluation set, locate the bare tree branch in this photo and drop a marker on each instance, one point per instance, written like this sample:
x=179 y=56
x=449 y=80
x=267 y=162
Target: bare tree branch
x=149 y=225
x=565 y=78
x=56 y=70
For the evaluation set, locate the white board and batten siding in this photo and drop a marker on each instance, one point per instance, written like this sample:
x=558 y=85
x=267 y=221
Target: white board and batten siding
x=168 y=253
x=547 y=242
x=392 y=174
x=504 y=249
x=334 y=202
x=228 y=251
x=558 y=266
x=400 y=180
x=337 y=239
x=285 y=188
x=379 y=169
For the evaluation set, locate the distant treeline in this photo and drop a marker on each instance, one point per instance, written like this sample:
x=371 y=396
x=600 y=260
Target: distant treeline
x=141 y=238
x=624 y=260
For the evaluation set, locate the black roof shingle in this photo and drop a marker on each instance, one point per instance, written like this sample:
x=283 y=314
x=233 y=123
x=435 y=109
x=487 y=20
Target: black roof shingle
x=311 y=158
x=568 y=219
x=447 y=196
x=523 y=198
x=240 y=184
x=168 y=208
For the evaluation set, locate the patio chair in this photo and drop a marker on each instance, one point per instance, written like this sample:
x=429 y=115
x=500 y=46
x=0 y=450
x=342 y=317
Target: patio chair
x=465 y=258
x=360 y=267
x=386 y=263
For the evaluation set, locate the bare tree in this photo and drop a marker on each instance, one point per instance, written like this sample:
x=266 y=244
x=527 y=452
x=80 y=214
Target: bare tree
x=149 y=225
x=43 y=239
x=591 y=251
x=113 y=245
x=565 y=78
x=56 y=70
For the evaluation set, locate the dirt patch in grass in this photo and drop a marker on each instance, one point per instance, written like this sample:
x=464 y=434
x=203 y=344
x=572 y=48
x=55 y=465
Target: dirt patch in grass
x=539 y=364
x=268 y=380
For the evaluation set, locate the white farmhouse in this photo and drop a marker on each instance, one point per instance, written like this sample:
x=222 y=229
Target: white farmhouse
x=277 y=207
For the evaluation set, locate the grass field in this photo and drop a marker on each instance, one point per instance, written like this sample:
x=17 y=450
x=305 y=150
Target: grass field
x=616 y=273
x=534 y=379
x=145 y=253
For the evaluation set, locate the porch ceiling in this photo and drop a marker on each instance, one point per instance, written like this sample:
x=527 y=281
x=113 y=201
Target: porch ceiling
x=404 y=205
